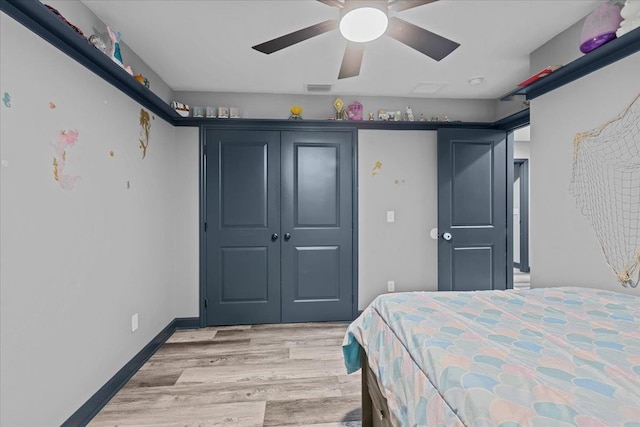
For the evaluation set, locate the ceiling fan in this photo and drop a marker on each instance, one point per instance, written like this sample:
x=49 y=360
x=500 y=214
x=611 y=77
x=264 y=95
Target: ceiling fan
x=362 y=21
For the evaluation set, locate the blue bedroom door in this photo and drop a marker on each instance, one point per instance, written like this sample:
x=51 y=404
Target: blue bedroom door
x=472 y=210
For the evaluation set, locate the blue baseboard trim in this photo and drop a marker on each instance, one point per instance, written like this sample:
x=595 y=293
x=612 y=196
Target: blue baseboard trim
x=96 y=402
x=186 y=322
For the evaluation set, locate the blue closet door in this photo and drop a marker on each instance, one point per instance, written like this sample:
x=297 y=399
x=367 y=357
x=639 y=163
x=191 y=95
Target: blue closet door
x=317 y=252
x=243 y=226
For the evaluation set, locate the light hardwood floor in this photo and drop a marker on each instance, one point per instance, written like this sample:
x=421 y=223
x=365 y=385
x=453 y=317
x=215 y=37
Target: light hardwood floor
x=262 y=375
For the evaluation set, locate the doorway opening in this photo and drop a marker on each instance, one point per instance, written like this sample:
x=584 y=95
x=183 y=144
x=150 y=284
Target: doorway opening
x=521 y=244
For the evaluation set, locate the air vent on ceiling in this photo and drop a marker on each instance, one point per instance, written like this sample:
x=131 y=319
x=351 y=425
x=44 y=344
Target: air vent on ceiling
x=314 y=87
x=428 y=88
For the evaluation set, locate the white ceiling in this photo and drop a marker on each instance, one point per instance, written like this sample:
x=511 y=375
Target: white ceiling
x=200 y=45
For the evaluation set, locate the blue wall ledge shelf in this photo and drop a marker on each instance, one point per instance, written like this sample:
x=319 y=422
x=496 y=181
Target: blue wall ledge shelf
x=609 y=53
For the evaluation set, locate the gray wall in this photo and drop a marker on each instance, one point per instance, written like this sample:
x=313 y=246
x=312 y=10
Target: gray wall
x=564 y=249
x=560 y=50
x=187 y=205
x=406 y=184
x=76 y=265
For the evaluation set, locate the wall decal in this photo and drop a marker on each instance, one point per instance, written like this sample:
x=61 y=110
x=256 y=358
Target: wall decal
x=52 y=105
x=145 y=129
x=64 y=140
x=605 y=182
x=376 y=168
x=111 y=153
x=6 y=99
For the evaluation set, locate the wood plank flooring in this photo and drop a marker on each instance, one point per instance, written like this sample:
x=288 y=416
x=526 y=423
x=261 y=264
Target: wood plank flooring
x=261 y=375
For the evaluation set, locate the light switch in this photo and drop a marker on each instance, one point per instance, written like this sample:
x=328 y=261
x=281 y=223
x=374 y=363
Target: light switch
x=391 y=216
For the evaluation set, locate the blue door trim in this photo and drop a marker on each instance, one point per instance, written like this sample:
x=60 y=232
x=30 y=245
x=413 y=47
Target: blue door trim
x=523 y=265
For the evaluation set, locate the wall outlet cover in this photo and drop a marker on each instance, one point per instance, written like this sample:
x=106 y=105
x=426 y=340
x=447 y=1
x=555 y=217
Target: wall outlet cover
x=391 y=286
x=134 y=322
x=391 y=216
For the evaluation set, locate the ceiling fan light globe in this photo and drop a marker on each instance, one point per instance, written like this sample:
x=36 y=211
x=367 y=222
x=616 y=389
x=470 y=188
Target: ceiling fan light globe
x=363 y=24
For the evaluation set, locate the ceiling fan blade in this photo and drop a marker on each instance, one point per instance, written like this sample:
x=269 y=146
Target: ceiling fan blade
x=296 y=37
x=352 y=60
x=431 y=44
x=335 y=3
x=399 y=5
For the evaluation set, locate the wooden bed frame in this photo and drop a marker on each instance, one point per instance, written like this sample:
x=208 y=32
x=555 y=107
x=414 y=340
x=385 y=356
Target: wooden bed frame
x=375 y=412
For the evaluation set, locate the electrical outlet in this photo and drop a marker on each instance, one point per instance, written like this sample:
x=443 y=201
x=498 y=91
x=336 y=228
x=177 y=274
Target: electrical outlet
x=391 y=216
x=391 y=286
x=134 y=322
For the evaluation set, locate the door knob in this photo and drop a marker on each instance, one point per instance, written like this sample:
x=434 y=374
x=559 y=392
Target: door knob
x=287 y=236
x=274 y=237
x=447 y=236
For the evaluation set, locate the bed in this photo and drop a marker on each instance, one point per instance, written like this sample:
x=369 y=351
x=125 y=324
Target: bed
x=542 y=358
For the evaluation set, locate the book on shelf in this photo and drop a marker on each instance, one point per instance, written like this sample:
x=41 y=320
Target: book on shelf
x=540 y=74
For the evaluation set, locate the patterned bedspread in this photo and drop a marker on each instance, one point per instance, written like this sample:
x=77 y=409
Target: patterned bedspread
x=544 y=357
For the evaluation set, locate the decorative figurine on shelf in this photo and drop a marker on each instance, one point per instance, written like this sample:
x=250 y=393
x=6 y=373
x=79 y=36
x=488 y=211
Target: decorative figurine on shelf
x=408 y=113
x=354 y=111
x=180 y=108
x=142 y=80
x=631 y=15
x=97 y=42
x=296 y=112
x=422 y=117
x=114 y=53
x=338 y=104
x=370 y=116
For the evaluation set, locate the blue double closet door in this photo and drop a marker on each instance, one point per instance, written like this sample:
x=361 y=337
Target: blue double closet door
x=279 y=238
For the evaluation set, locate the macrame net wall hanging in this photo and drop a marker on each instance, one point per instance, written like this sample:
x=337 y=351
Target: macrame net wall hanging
x=606 y=184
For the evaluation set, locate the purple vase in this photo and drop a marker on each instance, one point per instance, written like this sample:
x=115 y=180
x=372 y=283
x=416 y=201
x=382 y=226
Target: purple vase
x=600 y=27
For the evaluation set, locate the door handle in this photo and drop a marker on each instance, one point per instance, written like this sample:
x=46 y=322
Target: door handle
x=287 y=236
x=447 y=236
x=274 y=237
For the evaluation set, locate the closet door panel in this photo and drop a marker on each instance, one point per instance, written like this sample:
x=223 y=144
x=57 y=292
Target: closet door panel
x=317 y=214
x=243 y=217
